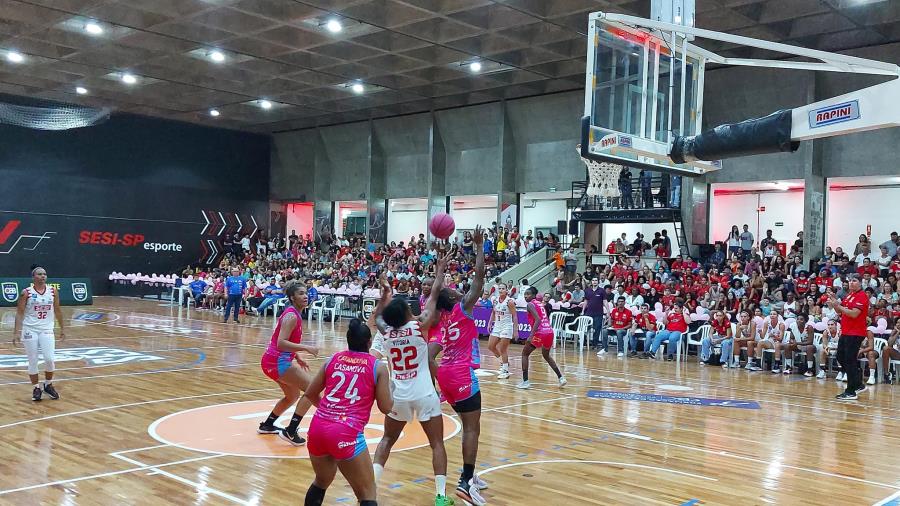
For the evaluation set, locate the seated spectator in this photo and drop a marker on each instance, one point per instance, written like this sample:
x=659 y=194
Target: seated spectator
x=676 y=322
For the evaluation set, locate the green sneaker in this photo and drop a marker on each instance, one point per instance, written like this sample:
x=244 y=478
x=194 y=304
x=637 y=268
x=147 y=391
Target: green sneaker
x=442 y=500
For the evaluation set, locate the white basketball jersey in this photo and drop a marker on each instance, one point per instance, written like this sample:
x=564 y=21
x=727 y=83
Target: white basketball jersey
x=501 y=310
x=407 y=352
x=39 y=309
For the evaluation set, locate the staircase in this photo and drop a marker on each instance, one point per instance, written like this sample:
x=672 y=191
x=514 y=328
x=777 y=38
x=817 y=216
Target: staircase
x=683 y=245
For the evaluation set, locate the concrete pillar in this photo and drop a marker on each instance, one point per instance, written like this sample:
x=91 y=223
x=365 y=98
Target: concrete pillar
x=814 y=194
x=438 y=201
x=376 y=195
x=508 y=201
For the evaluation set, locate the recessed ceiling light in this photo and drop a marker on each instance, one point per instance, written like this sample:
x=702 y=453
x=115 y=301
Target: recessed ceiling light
x=475 y=66
x=15 y=57
x=334 y=26
x=128 y=79
x=93 y=28
x=81 y=90
x=217 y=56
x=265 y=104
x=358 y=88
x=214 y=113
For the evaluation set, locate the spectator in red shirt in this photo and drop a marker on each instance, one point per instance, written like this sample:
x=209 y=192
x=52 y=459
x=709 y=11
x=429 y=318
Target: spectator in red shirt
x=676 y=322
x=620 y=319
x=644 y=323
x=867 y=268
x=853 y=311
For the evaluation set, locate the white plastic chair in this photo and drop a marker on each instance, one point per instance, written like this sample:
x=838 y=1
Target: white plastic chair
x=579 y=329
x=281 y=304
x=557 y=322
x=704 y=331
x=316 y=309
x=336 y=304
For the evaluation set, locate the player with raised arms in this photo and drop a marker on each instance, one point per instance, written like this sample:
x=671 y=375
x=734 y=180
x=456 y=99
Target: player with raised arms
x=456 y=378
x=541 y=337
x=281 y=364
x=402 y=339
x=352 y=382
x=37 y=307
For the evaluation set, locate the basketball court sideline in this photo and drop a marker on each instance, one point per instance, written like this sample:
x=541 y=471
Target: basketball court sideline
x=159 y=405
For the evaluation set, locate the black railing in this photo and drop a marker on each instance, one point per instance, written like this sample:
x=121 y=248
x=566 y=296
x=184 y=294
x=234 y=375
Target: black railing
x=632 y=194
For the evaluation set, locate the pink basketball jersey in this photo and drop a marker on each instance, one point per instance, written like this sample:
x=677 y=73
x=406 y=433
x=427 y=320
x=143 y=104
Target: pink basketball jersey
x=295 y=337
x=349 y=391
x=460 y=339
x=542 y=323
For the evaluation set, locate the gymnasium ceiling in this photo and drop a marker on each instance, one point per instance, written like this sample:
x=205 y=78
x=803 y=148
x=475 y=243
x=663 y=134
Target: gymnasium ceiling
x=410 y=55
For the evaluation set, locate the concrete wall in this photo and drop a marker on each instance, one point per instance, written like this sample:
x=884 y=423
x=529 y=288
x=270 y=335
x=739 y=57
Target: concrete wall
x=513 y=147
x=752 y=93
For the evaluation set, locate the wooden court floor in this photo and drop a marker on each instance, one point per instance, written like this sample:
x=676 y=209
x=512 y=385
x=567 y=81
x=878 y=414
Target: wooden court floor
x=160 y=407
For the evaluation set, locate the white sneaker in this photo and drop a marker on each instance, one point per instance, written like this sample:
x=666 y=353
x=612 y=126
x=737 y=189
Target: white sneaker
x=503 y=374
x=871 y=380
x=821 y=374
x=620 y=354
x=841 y=377
x=479 y=483
x=601 y=353
x=563 y=381
x=725 y=365
x=524 y=385
x=787 y=370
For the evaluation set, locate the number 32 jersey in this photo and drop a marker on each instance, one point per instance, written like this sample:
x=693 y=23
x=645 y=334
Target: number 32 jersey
x=406 y=350
x=39 y=309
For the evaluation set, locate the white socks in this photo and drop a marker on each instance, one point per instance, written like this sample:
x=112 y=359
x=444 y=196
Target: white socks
x=440 y=484
x=809 y=365
x=378 y=468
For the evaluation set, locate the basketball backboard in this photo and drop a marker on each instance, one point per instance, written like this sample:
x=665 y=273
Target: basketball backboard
x=642 y=89
x=644 y=96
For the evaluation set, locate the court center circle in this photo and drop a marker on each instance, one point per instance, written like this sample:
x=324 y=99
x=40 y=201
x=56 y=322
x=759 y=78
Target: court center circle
x=230 y=429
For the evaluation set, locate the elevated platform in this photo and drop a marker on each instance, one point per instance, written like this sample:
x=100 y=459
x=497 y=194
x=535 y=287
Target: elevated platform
x=651 y=215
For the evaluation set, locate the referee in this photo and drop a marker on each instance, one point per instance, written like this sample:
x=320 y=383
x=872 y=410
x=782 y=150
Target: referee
x=853 y=309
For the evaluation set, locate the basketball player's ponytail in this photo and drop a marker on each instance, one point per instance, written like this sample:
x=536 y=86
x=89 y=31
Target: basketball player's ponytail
x=358 y=336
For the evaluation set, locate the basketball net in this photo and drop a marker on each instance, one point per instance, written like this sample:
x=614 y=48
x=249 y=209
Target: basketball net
x=603 y=178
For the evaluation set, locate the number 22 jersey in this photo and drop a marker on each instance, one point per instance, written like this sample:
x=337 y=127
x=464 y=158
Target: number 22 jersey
x=407 y=352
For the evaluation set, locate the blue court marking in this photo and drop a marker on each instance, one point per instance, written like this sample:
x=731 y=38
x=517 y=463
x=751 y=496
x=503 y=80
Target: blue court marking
x=342 y=499
x=522 y=455
x=201 y=357
x=669 y=399
x=89 y=316
x=692 y=502
x=420 y=480
x=392 y=486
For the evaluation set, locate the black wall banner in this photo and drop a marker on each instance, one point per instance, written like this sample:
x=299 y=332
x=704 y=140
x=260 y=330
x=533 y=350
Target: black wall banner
x=72 y=291
x=131 y=195
x=95 y=246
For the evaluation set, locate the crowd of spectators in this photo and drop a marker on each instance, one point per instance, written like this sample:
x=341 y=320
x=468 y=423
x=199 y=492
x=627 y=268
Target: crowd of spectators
x=764 y=286
x=348 y=266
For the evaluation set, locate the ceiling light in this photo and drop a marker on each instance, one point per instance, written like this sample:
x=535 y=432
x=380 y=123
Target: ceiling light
x=15 y=57
x=214 y=113
x=358 y=88
x=265 y=104
x=81 y=90
x=217 y=56
x=334 y=26
x=93 y=28
x=475 y=66
x=128 y=79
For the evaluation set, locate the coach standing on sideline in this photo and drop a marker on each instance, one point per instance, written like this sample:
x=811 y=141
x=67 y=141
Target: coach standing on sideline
x=853 y=309
x=234 y=287
x=594 y=298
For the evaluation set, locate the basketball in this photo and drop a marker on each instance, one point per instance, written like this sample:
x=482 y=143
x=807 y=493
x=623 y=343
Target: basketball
x=442 y=225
